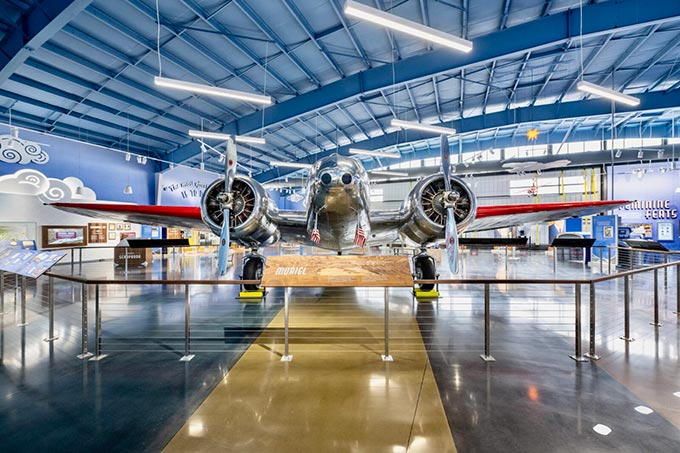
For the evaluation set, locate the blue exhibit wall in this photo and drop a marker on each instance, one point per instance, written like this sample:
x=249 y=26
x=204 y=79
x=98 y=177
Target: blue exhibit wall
x=103 y=170
x=656 y=196
x=282 y=202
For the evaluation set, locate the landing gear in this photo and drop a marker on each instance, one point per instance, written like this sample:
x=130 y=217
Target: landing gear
x=253 y=265
x=424 y=268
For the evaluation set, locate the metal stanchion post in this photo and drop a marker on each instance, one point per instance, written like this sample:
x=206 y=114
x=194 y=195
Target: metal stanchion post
x=609 y=260
x=584 y=257
x=656 y=322
x=287 y=357
x=127 y=253
x=80 y=261
x=487 y=327
x=72 y=261
x=578 y=352
x=50 y=307
x=187 y=326
x=677 y=289
x=601 y=258
x=85 y=354
x=2 y=293
x=506 y=260
x=387 y=357
x=591 y=352
x=665 y=272
x=626 y=309
x=22 y=291
x=554 y=260
x=97 y=327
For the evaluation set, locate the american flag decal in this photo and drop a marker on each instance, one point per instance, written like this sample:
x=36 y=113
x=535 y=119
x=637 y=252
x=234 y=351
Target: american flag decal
x=360 y=237
x=315 y=237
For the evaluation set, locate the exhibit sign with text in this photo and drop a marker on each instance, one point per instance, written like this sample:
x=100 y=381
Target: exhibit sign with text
x=29 y=263
x=655 y=209
x=183 y=186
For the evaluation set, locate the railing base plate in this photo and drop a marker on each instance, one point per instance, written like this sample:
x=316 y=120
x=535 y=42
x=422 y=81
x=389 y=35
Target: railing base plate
x=592 y=356
x=87 y=355
x=487 y=358
x=287 y=358
x=187 y=358
x=628 y=339
x=97 y=358
x=579 y=358
x=387 y=358
x=47 y=340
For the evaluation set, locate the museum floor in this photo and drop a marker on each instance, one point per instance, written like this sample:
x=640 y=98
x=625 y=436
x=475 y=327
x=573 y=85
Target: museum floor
x=336 y=394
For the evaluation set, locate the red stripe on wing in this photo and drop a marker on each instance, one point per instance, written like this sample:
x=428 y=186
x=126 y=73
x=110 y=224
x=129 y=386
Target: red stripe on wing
x=186 y=212
x=490 y=211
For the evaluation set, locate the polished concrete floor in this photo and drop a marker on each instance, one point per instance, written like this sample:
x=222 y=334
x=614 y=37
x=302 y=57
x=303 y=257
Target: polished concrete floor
x=336 y=394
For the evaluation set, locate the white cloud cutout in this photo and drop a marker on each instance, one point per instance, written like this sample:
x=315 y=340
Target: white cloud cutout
x=48 y=190
x=15 y=150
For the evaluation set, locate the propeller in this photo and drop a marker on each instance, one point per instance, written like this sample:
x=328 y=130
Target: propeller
x=450 y=197
x=226 y=199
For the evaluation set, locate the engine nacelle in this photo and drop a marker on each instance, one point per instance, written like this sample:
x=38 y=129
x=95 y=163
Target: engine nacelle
x=250 y=224
x=426 y=213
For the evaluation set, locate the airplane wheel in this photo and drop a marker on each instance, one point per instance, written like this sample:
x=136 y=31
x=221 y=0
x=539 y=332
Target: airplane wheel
x=425 y=270
x=253 y=271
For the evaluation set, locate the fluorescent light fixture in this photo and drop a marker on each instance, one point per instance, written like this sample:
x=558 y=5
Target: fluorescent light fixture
x=387 y=20
x=618 y=153
x=607 y=93
x=422 y=127
x=276 y=163
x=641 y=154
x=388 y=173
x=211 y=90
x=218 y=136
x=374 y=153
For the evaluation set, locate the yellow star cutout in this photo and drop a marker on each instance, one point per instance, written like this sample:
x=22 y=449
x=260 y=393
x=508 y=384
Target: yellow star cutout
x=532 y=135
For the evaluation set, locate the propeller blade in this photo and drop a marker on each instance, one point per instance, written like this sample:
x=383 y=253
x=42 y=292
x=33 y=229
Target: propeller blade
x=452 y=240
x=229 y=175
x=446 y=161
x=223 y=251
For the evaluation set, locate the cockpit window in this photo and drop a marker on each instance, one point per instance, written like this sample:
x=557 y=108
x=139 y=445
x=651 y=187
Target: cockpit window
x=346 y=178
x=326 y=179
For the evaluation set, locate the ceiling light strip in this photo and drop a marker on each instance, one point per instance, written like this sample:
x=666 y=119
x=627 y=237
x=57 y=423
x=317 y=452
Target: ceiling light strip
x=211 y=90
x=387 y=20
x=378 y=154
x=422 y=127
x=218 y=136
x=607 y=93
x=276 y=163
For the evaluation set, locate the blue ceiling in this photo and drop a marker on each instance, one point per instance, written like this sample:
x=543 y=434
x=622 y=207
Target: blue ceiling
x=84 y=69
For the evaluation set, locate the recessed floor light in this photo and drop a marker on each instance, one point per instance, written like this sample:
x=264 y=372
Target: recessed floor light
x=602 y=429
x=644 y=410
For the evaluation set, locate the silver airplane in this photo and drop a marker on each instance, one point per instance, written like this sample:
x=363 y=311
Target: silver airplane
x=337 y=214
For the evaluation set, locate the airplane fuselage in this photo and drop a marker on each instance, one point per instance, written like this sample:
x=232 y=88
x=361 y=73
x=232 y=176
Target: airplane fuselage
x=338 y=201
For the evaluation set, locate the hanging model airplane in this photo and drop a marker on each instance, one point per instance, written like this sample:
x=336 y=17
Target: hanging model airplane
x=338 y=216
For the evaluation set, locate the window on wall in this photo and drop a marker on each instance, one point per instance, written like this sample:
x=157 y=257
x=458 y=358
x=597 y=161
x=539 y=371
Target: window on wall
x=548 y=185
x=376 y=195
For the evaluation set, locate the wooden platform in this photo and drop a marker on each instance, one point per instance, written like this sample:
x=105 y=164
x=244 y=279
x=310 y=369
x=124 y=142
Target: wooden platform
x=290 y=271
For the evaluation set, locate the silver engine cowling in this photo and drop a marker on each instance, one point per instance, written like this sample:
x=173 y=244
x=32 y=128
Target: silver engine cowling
x=426 y=214
x=250 y=224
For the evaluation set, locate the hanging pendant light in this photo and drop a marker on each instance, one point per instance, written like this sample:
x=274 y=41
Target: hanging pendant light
x=128 y=190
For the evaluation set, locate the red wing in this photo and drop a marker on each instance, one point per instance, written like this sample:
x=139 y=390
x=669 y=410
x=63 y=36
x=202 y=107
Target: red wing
x=492 y=217
x=172 y=216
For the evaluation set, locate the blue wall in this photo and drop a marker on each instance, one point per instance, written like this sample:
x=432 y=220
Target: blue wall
x=282 y=202
x=656 y=187
x=104 y=171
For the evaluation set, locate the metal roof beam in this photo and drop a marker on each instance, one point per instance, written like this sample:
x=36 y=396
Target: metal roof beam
x=266 y=29
x=217 y=26
x=670 y=46
x=352 y=37
x=506 y=13
x=599 y=19
x=34 y=29
x=150 y=46
x=307 y=28
x=525 y=115
x=413 y=102
x=551 y=72
x=591 y=58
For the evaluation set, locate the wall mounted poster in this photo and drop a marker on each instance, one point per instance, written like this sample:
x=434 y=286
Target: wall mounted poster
x=97 y=233
x=63 y=236
x=665 y=232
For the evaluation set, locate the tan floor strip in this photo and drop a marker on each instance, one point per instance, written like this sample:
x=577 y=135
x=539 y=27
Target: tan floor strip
x=335 y=395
